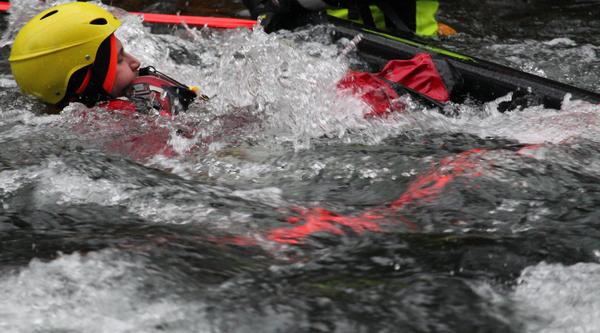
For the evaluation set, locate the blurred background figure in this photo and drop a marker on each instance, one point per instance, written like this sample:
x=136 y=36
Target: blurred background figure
x=418 y=16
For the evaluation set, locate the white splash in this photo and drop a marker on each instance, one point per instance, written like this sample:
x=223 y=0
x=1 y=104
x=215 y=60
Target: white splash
x=558 y=298
x=57 y=183
x=97 y=292
x=576 y=119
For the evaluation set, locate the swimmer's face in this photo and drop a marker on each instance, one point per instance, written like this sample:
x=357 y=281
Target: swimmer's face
x=127 y=67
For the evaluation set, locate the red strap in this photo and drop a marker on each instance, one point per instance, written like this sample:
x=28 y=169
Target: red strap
x=214 y=22
x=111 y=75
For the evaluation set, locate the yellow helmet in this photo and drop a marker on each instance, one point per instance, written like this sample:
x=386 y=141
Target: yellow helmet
x=55 y=44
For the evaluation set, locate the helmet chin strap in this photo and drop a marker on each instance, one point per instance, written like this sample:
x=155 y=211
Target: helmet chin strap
x=150 y=70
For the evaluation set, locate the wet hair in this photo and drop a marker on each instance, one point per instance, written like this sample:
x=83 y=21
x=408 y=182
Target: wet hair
x=87 y=84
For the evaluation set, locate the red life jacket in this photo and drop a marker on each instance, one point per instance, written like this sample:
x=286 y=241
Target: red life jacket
x=153 y=91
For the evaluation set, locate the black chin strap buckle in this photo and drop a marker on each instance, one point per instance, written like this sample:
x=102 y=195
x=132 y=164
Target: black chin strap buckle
x=183 y=92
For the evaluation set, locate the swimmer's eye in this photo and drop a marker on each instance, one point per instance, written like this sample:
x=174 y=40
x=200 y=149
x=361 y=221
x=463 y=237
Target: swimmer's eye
x=121 y=56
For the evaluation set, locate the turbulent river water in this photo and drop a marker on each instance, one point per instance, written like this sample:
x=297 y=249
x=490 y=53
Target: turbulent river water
x=483 y=222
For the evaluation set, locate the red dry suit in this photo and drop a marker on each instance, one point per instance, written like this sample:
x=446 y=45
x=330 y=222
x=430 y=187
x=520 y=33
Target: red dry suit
x=430 y=80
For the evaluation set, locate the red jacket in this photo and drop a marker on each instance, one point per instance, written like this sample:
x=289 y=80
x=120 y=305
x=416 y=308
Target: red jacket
x=419 y=76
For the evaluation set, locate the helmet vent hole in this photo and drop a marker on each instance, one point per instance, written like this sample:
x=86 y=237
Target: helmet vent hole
x=99 y=21
x=49 y=14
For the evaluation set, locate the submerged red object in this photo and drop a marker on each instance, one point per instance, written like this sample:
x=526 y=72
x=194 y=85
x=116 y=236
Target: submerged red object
x=425 y=188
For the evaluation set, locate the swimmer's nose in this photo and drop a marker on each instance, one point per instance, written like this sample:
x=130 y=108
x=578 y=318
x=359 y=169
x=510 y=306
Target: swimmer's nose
x=133 y=62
